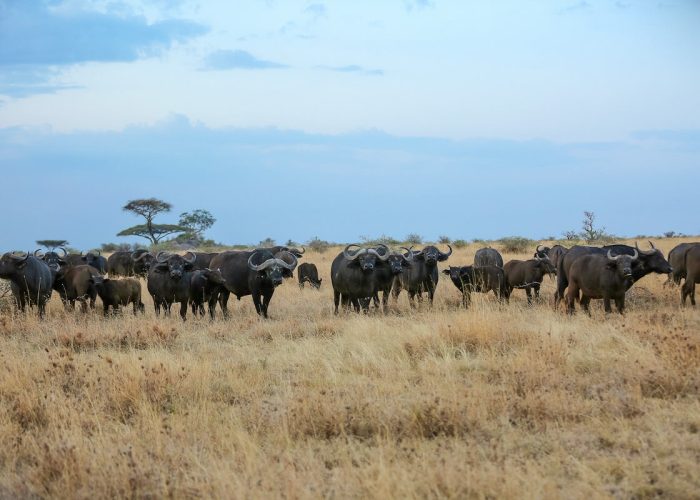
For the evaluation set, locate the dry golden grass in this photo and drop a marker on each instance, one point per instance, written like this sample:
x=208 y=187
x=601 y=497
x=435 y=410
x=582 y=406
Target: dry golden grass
x=496 y=401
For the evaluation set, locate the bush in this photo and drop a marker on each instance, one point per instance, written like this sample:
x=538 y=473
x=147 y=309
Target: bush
x=317 y=245
x=445 y=240
x=383 y=239
x=460 y=243
x=515 y=244
x=267 y=242
x=413 y=239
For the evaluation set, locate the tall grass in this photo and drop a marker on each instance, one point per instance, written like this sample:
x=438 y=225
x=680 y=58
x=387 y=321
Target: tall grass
x=494 y=401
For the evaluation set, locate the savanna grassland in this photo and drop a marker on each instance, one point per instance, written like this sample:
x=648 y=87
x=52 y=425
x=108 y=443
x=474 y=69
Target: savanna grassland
x=496 y=401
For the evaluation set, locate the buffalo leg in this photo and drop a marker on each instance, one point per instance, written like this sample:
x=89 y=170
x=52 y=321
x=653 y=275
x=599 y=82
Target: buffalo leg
x=183 y=310
x=606 y=305
x=156 y=305
x=336 y=300
x=586 y=304
x=267 y=297
x=223 y=302
x=528 y=292
x=536 y=288
x=571 y=297
x=620 y=304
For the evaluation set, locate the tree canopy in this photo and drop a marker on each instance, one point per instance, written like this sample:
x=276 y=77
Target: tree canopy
x=51 y=244
x=148 y=208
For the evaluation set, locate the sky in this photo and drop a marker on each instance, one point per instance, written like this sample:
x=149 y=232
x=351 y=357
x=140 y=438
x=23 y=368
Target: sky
x=303 y=118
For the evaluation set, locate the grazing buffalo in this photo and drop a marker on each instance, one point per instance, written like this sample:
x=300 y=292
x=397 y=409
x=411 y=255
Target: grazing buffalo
x=692 y=268
x=488 y=257
x=647 y=261
x=307 y=272
x=254 y=273
x=422 y=275
x=527 y=274
x=676 y=258
x=119 y=293
x=169 y=281
x=203 y=284
x=597 y=276
x=125 y=263
x=353 y=277
x=77 y=283
x=481 y=279
x=30 y=280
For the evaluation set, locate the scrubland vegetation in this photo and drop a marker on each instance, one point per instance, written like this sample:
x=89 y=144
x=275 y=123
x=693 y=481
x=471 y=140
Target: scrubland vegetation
x=499 y=401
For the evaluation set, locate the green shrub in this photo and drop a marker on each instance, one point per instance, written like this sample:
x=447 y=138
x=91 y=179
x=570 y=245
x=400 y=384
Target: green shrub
x=515 y=244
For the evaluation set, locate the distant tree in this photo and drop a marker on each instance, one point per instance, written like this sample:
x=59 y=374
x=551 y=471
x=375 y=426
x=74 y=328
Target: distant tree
x=414 y=239
x=52 y=244
x=589 y=231
x=444 y=240
x=667 y=234
x=291 y=243
x=570 y=235
x=196 y=222
x=148 y=209
x=318 y=245
x=267 y=242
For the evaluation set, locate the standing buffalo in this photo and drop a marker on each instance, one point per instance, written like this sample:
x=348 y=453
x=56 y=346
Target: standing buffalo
x=77 y=283
x=125 y=263
x=353 y=277
x=422 y=275
x=30 y=280
x=169 y=281
x=482 y=279
x=119 y=293
x=290 y=258
x=527 y=274
x=255 y=273
x=204 y=283
x=647 y=261
x=488 y=257
x=90 y=259
x=202 y=259
x=295 y=251
x=692 y=268
x=597 y=276
x=307 y=272
x=555 y=254
x=542 y=252
x=676 y=258
x=387 y=271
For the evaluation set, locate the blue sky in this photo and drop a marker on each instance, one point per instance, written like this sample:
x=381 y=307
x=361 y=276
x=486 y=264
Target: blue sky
x=295 y=119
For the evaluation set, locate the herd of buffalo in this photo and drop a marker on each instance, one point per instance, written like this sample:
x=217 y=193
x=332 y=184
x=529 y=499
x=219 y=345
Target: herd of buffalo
x=359 y=275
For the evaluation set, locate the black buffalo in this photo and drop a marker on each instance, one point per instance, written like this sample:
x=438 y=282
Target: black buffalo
x=204 y=283
x=647 y=262
x=676 y=258
x=202 y=259
x=276 y=249
x=30 y=280
x=119 y=293
x=541 y=252
x=600 y=276
x=387 y=271
x=488 y=257
x=422 y=275
x=353 y=276
x=527 y=275
x=169 y=281
x=290 y=258
x=481 y=279
x=126 y=263
x=77 y=283
x=254 y=273
x=692 y=268
x=307 y=272
x=556 y=253
x=90 y=259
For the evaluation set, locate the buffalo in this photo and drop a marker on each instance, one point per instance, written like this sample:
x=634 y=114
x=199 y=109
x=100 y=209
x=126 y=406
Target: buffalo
x=597 y=276
x=307 y=272
x=90 y=259
x=254 y=273
x=125 y=263
x=555 y=254
x=422 y=275
x=676 y=258
x=119 y=293
x=30 y=280
x=482 y=279
x=692 y=268
x=527 y=274
x=169 y=281
x=541 y=252
x=77 y=283
x=203 y=284
x=277 y=249
x=290 y=258
x=202 y=259
x=353 y=277
x=387 y=271
x=488 y=257
x=647 y=261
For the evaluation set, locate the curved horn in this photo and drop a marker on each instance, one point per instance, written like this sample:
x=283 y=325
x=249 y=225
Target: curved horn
x=651 y=245
x=64 y=251
x=140 y=256
x=19 y=258
x=159 y=256
x=636 y=255
x=353 y=256
x=410 y=253
x=645 y=252
x=285 y=264
x=447 y=254
x=382 y=257
x=610 y=256
x=302 y=251
x=36 y=252
x=538 y=248
x=259 y=267
x=190 y=261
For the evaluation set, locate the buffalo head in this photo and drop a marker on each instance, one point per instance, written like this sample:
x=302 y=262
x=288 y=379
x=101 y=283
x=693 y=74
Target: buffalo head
x=174 y=265
x=653 y=260
x=431 y=255
x=365 y=258
x=269 y=267
x=622 y=264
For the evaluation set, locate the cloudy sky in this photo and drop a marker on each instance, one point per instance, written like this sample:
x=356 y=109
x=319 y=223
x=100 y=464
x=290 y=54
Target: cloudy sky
x=294 y=119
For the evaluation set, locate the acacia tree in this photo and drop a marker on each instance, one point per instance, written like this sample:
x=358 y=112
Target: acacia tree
x=148 y=209
x=196 y=222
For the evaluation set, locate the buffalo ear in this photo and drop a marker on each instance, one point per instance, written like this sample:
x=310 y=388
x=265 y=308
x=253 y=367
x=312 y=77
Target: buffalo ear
x=442 y=257
x=445 y=271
